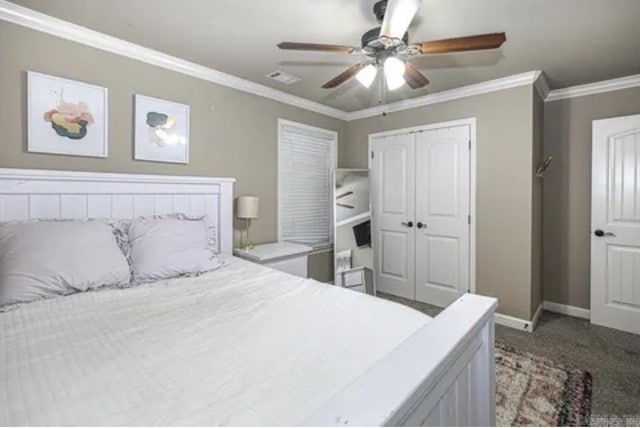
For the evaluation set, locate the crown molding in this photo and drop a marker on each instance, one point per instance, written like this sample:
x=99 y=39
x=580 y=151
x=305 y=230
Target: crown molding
x=38 y=21
x=595 y=88
x=542 y=86
x=57 y=27
x=528 y=78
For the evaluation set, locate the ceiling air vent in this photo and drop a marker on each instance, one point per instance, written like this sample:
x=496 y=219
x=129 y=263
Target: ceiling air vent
x=282 y=77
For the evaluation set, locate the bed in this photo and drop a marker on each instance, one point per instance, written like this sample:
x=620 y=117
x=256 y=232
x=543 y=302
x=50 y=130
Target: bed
x=242 y=345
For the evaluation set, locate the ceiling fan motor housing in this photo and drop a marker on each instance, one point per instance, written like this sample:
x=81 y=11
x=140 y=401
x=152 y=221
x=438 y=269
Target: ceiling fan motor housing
x=379 y=10
x=372 y=45
x=370 y=41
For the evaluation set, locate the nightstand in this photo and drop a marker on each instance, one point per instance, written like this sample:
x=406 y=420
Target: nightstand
x=285 y=256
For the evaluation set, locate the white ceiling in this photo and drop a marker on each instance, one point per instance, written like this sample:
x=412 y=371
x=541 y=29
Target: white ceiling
x=573 y=41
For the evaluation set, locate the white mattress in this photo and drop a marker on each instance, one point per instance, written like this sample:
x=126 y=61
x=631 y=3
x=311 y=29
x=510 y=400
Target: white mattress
x=243 y=345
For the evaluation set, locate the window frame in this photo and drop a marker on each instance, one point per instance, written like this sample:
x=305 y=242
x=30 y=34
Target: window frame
x=333 y=151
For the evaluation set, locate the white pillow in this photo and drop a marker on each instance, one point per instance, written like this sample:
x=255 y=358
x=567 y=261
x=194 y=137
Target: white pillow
x=169 y=247
x=43 y=259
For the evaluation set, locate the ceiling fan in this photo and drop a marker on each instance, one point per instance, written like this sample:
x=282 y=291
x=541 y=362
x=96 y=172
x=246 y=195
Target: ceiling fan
x=388 y=47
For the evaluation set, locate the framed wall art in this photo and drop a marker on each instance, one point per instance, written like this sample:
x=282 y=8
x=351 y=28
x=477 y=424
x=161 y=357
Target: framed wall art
x=161 y=130
x=66 y=117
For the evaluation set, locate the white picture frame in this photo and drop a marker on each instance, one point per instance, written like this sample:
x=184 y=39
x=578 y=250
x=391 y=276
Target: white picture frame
x=161 y=130
x=66 y=117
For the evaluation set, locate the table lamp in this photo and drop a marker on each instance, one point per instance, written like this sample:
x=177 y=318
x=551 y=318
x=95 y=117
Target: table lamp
x=248 y=210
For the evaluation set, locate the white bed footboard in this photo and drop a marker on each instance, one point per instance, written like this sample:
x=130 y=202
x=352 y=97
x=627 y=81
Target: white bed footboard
x=443 y=375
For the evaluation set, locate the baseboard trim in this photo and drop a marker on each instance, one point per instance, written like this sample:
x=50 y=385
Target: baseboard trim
x=573 y=311
x=536 y=316
x=516 y=323
x=519 y=323
x=512 y=322
x=529 y=326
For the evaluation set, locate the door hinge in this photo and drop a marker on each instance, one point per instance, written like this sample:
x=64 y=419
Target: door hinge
x=469 y=219
x=469 y=144
x=371 y=155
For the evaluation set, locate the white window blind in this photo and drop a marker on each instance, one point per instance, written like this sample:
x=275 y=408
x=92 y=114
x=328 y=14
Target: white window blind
x=306 y=159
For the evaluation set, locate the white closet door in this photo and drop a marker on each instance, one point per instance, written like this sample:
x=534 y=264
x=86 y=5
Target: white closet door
x=393 y=202
x=442 y=214
x=615 y=224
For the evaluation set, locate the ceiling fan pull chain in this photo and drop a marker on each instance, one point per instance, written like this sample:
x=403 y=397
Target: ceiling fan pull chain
x=381 y=89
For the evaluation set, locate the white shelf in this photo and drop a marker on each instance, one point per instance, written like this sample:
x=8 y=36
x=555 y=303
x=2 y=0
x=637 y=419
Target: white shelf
x=356 y=218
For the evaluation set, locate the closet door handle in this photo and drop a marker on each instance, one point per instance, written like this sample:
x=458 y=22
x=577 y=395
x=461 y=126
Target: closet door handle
x=407 y=223
x=420 y=225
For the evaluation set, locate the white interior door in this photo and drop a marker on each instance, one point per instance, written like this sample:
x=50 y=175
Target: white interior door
x=442 y=214
x=615 y=224
x=392 y=199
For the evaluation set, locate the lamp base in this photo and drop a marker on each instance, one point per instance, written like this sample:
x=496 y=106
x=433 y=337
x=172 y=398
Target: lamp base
x=247 y=243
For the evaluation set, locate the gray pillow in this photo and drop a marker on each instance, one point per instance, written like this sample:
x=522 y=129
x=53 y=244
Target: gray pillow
x=43 y=259
x=171 y=246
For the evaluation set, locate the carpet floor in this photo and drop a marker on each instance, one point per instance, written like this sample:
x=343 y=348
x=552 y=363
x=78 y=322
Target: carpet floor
x=612 y=357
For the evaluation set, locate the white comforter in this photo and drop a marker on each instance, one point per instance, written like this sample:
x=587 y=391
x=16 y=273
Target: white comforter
x=243 y=345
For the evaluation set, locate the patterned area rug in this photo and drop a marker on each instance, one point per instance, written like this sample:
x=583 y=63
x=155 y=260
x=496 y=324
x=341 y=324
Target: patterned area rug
x=535 y=391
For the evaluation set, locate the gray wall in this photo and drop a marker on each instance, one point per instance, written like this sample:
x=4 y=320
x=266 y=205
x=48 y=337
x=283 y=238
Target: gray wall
x=536 y=205
x=504 y=184
x=567 y=190
x=232 y=133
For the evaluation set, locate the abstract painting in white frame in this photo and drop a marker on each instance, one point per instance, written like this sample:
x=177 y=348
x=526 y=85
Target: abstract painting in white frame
x=161 y=130
x=66 y=117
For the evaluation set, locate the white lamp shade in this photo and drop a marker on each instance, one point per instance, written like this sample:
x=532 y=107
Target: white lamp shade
x=248 y=206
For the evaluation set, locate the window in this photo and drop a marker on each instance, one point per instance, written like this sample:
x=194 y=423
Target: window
x=306 y=160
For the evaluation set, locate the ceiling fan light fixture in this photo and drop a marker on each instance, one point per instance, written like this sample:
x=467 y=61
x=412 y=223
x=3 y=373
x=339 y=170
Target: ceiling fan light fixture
x=367 y=75
x=394 y=73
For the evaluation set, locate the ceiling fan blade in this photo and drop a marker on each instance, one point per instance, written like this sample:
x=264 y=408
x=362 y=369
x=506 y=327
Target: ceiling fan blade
x=397 y=17
x=343 y=77
x=318 y=47
x=459 y=44
x=415 y=79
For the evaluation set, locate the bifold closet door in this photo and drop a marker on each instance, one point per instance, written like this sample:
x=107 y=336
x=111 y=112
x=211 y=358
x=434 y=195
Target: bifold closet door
x=442 y=214
x=393 y=202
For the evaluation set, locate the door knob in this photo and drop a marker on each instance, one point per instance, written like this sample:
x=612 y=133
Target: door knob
x=407 y=223
x=420 y=225
x=600 y=233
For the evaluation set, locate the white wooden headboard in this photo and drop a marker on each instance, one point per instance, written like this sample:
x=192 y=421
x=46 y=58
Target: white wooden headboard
x=29 y=194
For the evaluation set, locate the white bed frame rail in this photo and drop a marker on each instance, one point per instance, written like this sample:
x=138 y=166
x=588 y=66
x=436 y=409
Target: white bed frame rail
x=443 y=375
